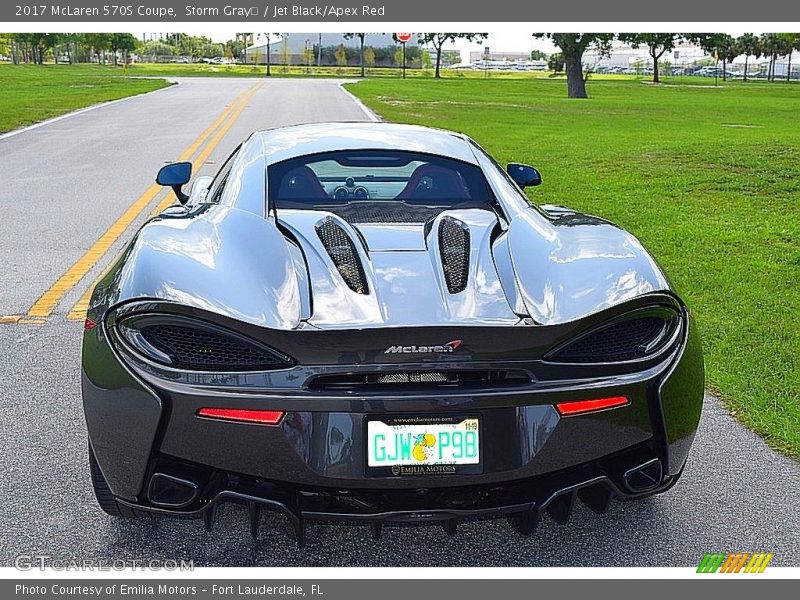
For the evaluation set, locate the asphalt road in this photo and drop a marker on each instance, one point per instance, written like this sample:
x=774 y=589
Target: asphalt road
x=66 y=183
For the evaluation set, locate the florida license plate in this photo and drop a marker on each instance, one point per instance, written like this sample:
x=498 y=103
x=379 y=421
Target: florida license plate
x=422 y=446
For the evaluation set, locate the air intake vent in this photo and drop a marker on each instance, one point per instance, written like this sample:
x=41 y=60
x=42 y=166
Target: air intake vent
x=625 y=340
x=454 y=248
x=199 y=349
x=343 y=253
x=469 y=378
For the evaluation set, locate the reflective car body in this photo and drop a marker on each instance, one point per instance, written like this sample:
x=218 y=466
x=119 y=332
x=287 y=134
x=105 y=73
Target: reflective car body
x=493 y=310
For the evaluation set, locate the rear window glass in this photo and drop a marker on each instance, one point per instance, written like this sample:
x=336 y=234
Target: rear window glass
x=336 y=179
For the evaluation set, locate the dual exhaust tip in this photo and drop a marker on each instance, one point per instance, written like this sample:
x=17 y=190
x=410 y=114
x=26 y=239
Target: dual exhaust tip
x=173 y=492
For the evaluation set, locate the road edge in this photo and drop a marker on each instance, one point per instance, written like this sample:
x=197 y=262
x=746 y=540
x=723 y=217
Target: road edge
x=8 y=134
x=371 y=115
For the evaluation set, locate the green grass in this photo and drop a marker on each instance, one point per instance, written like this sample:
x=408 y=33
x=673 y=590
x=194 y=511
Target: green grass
x=708 y=178
x=34 y=93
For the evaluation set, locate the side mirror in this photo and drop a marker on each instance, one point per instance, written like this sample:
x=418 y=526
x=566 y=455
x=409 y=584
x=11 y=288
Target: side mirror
x=176 y=175
x=524 y=175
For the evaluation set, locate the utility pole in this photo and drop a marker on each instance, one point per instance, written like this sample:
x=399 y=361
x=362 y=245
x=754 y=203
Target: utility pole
x=268 y=55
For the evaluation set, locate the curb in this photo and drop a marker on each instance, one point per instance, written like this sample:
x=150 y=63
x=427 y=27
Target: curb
x=371 y=115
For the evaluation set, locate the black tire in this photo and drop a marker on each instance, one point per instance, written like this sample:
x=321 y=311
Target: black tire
x=105 y=498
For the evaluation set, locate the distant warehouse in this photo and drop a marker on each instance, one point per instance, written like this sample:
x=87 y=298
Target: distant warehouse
x=331 y=49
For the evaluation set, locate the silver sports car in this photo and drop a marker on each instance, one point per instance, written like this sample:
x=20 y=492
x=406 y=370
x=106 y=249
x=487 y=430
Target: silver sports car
x=371 y=322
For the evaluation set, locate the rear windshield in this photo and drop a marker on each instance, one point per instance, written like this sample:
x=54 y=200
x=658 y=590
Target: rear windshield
x=338 y=180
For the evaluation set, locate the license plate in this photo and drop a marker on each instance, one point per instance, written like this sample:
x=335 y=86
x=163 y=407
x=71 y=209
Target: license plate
x=409 y=442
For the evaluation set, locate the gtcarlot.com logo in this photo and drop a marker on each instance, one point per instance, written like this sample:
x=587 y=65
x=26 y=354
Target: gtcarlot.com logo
x=30 y=562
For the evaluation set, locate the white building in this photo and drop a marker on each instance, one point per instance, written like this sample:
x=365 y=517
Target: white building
x=625 y=56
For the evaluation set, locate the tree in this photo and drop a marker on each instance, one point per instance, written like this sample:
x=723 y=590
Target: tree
x=236 y=47
x=538 y=55
x=572 y=46
x=398 y=56
x=369 y=57
x=748 y=45
x=122 y=42
x=268 y=38
x=6 y=44
x=556 y=62
x=425 y=60
x=308 y=56
x=727 y=51
x=438 y=40
x=772 y=45
x=286 y=54
x=155 y=48
x=791 y=43
x=720 y=45
x=100 y=42
x=32 y=46
x=341 y=56
x=657 y=44
x=360 y=36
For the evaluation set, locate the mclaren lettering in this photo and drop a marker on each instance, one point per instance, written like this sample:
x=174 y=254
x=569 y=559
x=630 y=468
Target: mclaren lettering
x=74 y=11
x=438 y=349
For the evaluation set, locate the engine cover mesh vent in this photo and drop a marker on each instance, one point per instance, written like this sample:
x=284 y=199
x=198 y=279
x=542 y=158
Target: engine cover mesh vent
x=343 y=253
x=454 y=248
x=626 y=340
x=200 y=350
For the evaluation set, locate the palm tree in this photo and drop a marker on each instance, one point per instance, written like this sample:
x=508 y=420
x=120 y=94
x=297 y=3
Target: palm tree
x=792 y=41
x=772 y=46
x=748 y=45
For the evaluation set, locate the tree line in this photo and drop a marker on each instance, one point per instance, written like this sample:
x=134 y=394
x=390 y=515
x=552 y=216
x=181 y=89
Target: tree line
x=89 y=47
x=721 y=45
x=33 y=48
x=84 y=47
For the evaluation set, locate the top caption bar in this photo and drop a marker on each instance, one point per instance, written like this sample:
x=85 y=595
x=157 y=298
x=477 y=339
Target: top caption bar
x=465 y=11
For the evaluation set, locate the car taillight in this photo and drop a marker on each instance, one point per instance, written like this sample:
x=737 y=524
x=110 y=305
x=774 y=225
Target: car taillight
x=193 y=345
x=579 y=407
x=638 y=335
x=263 y=417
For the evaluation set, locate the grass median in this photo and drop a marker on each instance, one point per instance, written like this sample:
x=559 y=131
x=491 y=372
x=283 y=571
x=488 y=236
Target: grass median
x=33 y=93
x=708 y=178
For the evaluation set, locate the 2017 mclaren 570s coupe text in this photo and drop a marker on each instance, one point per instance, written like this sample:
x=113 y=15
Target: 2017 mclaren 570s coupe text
x=371 y=322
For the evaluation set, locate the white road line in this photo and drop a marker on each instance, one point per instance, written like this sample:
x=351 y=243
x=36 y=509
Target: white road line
x=81 y=111
x=367 y=111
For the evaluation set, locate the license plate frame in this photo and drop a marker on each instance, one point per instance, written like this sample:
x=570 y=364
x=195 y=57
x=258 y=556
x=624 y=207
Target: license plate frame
x=424 y=469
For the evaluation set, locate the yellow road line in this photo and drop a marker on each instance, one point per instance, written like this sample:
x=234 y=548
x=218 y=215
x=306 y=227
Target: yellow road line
x=19 y=319
x=78 y=311
x=203 y=156
x=47 y=303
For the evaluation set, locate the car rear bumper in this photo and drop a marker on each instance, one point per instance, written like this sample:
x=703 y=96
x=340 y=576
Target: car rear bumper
x=523 y=502
x=142 y=424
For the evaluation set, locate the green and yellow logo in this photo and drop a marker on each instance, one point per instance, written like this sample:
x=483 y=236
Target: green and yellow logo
x=423 y=446
x=736 y=562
